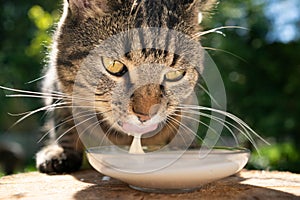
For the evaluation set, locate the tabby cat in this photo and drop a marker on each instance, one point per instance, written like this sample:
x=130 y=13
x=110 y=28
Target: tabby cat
x=126 y=98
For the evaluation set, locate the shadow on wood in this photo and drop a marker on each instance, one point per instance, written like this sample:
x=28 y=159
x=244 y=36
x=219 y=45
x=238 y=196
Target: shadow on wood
x=228 y=188
x=89 y=184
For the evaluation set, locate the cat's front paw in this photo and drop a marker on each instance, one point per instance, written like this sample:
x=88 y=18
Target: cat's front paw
x=54 y=159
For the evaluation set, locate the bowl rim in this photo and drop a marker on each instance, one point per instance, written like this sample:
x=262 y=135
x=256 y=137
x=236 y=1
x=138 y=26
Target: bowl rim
x=166 y=159
x=217 y=150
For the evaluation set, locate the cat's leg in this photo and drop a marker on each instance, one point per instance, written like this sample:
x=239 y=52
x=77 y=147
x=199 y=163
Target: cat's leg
x=64 y=151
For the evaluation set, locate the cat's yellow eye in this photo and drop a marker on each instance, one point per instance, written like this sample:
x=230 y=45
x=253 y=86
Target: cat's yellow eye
x=114 y=67
x=175 y=75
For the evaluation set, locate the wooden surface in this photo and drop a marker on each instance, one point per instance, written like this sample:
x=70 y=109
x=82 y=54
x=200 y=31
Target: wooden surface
x=88 y=184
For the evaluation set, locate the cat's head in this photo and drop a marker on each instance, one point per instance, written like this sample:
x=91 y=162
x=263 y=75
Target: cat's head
x=137 y=57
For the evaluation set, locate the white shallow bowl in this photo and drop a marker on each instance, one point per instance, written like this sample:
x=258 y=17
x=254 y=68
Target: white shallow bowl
x=168 y=171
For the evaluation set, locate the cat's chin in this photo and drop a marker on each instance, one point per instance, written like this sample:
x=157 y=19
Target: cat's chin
x=135 y=130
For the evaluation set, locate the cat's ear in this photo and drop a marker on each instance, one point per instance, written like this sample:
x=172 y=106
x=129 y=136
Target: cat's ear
x=202 y=5
x=85 y=8
x=207 y=5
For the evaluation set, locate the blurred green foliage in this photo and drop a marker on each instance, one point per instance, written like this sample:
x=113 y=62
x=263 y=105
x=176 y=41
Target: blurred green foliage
x=261 y=77
x=25 y=31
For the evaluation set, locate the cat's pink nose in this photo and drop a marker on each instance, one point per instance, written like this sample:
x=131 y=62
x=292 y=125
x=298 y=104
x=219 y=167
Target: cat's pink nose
x=153 y=111
x=143 y=118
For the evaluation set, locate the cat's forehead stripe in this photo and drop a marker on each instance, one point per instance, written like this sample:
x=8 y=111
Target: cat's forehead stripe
x=156 y=14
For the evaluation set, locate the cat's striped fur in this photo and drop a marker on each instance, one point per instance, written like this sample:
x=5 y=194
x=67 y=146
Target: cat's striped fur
x=83 y=26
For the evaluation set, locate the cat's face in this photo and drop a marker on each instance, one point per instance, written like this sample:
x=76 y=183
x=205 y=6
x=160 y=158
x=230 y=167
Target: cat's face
x=138 y=78
x=144 y=89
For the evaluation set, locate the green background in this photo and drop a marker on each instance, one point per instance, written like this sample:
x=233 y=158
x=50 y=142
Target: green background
x=260 y=68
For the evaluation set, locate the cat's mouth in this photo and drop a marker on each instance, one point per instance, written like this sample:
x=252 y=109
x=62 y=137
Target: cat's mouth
x=133 y=129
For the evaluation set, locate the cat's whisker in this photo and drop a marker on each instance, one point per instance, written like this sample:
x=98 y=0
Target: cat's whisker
x=245 y=132
x=186 y=128
x=47 y=95
x=35 y=80
x=217 y=30
x=42 y=96
x=92 y=126
x=55 y=92
x=32 y=92
x=72 y=117
x=224 y=51
x=52 y=106
x=98 y=124
x=175 y=121
x=171 y=125
x=110 y=129
x=210 y=128
x=38 y=95
x=36 y=111
x=19 y=114
x=33 y=96
x=76 y=125
x=74 y=106
x=51 y=109
x=210 y=96
x=243 y=125
x=60 y=105
x=220 y=120
x=136 y=5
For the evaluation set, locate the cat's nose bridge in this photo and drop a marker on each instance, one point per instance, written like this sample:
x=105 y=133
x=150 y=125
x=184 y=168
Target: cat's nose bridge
x=146 y=101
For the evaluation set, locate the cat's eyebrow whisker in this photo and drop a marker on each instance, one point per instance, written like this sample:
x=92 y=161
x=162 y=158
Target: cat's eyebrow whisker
x=217 y=30
x=134 y=11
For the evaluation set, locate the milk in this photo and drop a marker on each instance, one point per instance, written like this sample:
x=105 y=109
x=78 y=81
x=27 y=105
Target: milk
x=136 y=146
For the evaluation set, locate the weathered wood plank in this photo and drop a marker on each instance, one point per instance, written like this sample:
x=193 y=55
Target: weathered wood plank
x=88 y=184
